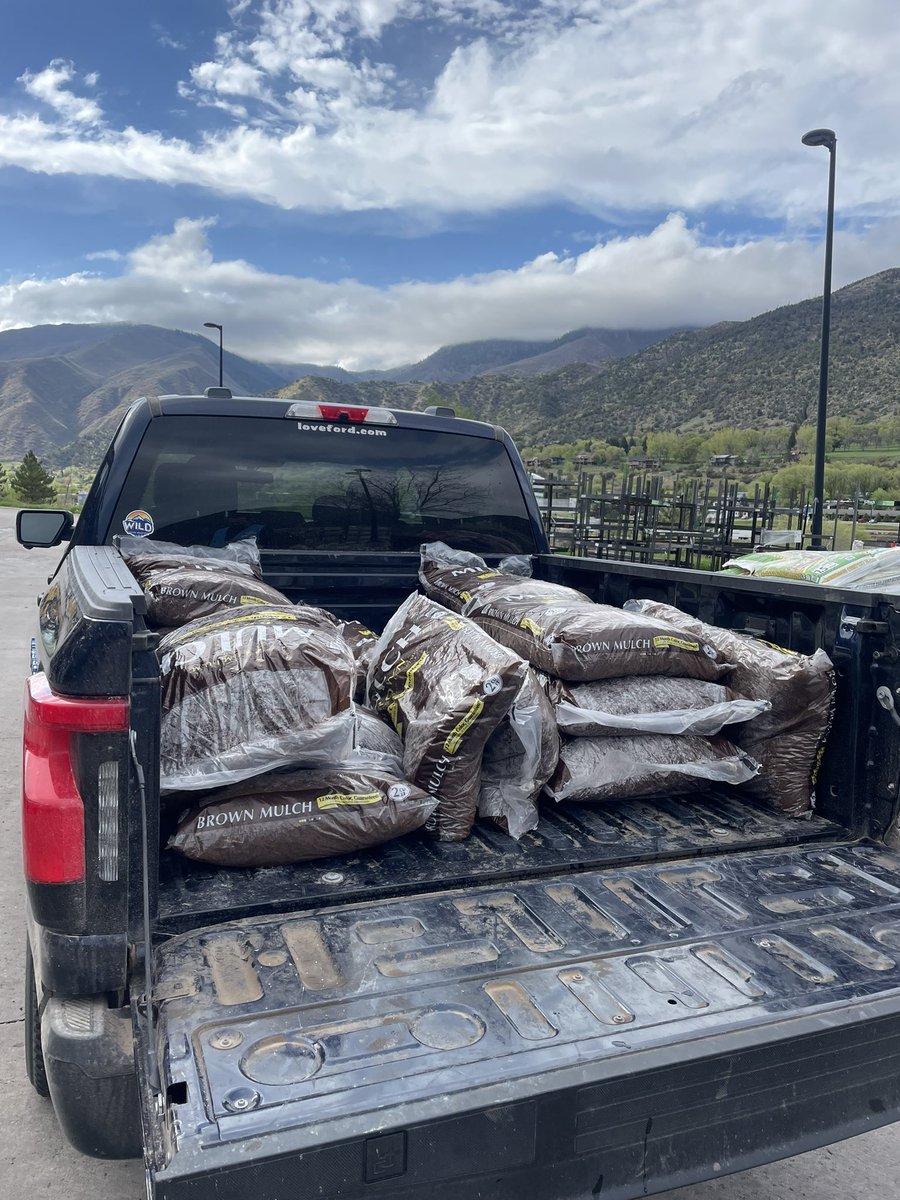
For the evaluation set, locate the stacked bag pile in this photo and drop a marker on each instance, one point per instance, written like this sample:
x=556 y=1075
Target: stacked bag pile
x=288 y=734
x=642 y=694
x=264 y=757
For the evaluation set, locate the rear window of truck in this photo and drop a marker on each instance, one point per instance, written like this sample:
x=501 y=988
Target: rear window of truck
x=207 y=480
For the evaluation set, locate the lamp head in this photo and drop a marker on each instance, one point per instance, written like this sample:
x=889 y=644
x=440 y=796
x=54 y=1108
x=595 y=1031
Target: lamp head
x=820 y=137
x=211 y=325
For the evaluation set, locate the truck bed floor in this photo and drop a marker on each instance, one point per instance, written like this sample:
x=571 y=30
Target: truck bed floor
x=606 y=1029
x=569 y=837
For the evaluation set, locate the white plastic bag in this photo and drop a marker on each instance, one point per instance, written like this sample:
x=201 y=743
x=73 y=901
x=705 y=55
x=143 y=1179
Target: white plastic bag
x=519 y=758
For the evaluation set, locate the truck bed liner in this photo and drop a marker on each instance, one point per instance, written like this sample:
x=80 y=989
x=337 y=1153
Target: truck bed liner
x=310 y=1034
x=570 y=836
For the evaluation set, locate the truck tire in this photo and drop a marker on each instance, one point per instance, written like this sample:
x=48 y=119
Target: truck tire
x=34 y=1052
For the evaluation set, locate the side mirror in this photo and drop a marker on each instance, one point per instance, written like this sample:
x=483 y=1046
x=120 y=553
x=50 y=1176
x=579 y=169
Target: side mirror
x=43 y=527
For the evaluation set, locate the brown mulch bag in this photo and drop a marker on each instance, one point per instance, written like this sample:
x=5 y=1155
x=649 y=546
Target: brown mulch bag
x=445 y=686
x=373 y=736
x=452 y=576
x=565 y=634
x=184 y=583
x=519 y=758
x=788 y=739
x=651 y=704
x=146 y=556
x=645 y=766
x=248 y=691
x=290 y=817
x=183 y=594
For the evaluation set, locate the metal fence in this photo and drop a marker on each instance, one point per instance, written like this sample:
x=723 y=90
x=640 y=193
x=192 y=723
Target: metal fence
x=690 y=523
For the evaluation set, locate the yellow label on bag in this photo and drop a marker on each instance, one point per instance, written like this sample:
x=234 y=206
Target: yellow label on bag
x=408 y=680
x=665 y=640
x=467 y=596
x=393 y=711
x=531 y=626
x=454 y=741
x=339 y=799
x=775 y=646
x=453 y=622
x=217 y=622
x=411 y=673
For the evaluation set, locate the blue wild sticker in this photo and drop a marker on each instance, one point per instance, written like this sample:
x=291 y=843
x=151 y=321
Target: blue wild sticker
x=138 y=523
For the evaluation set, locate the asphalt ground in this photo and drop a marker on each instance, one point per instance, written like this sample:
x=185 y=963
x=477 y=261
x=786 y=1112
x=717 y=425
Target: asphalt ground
x=35 y=1159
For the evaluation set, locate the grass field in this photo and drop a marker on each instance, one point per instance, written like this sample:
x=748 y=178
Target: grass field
x=892 y=453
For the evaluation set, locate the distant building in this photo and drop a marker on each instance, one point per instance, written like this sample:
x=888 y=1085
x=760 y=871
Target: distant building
x=642 y=462
x=584 y=459
x=725 y=460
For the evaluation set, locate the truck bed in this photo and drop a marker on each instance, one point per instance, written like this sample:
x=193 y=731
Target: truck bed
x=611 y=1031
x=570 y=837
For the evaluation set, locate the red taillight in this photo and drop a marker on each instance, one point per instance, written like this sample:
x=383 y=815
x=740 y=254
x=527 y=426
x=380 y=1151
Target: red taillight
x=334 y=412
x=52 y=809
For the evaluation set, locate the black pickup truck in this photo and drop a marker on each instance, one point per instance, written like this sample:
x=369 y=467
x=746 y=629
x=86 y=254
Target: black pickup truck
x=633 y=997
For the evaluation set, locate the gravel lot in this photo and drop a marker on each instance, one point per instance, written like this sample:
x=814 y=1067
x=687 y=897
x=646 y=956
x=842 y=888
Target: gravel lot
x=34 y=1158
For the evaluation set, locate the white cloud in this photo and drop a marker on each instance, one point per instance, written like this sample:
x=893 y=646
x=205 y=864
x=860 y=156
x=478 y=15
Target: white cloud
x=639 y=104
x=48 y=87
x=104 y=255
x=667 y=277
x=164 y=38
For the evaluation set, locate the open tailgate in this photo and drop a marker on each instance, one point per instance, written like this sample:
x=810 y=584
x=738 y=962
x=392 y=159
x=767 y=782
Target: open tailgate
x=611 y=1032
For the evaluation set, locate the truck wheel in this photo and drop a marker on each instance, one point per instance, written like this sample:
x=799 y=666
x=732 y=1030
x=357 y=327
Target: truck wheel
x=34 y=1053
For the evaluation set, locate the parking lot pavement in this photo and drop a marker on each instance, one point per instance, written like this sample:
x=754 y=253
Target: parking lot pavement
x=34 y=1157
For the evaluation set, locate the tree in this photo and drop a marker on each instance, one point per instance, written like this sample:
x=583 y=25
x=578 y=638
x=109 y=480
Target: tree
x=3 y=480
x=31 y=482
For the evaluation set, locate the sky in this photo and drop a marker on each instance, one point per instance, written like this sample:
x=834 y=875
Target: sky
x=362 y=181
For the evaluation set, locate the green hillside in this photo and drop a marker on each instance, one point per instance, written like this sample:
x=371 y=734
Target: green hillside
x=752 y=373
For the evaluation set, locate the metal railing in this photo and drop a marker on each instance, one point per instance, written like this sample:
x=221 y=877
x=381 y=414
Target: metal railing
x=688 y=523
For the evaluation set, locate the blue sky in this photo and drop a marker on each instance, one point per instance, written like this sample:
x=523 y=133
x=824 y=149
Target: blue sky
x=360 y=181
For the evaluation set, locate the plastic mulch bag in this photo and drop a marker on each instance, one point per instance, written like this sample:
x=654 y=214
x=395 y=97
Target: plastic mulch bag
x=519 y=758
x=445 y=686
x=789 y=738
x=557 y=629
x=646 y=766
x=652 y=704
x=453 y=576
x=146 y=555
x=373 y=737
x=183 y=583
x=184 y=594
x=874 y=569
x=565 y=634
x=290 y=817
x=246 y=692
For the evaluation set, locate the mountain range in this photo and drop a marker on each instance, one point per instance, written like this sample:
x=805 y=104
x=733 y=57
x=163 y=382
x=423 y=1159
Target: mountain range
x=62 y=383
x=63 y=388
x=759 y=372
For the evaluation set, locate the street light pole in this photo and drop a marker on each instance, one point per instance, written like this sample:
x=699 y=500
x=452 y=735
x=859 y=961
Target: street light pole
x=213 y=325
x=828 y=139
